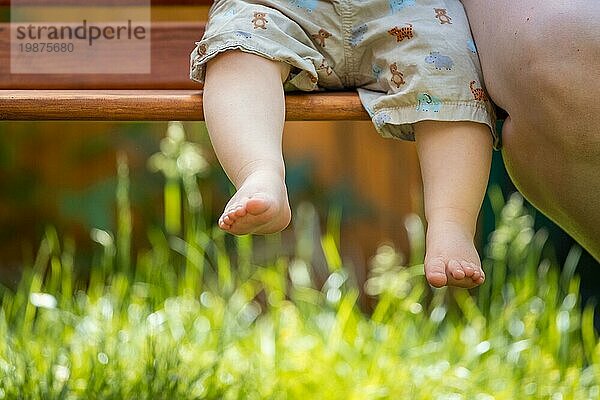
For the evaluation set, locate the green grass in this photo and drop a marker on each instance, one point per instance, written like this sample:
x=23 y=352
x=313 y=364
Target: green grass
x=196 y=316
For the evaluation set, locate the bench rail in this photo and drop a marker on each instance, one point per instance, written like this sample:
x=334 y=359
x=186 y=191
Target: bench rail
x=158 y=105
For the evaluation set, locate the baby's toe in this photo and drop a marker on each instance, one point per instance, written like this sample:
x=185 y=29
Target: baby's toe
x=224 y=225
x=239 y=211
x=477 y=276
x=470 y=269
x=481 y=278
x=456 y=270
x=229 y=219
x=435 y=271
x=466 y=282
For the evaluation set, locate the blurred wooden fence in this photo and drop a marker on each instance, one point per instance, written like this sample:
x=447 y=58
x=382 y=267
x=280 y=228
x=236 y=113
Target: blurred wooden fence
x=47 y=168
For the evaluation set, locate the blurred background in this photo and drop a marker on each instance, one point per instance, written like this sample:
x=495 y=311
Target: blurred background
x=63 y=174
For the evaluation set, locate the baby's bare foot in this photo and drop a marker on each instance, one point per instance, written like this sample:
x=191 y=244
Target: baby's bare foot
x=451 y=257
x=259 y=206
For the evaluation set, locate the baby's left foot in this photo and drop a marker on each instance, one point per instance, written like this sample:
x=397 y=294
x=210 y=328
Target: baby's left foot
x=451 y=258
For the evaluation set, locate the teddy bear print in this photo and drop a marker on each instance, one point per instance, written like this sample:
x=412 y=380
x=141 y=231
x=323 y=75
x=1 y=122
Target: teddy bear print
x=397 y=76
x=321 y=36
x=260 y=20
x=202 y=49
x=442 y=15
x=325 y=66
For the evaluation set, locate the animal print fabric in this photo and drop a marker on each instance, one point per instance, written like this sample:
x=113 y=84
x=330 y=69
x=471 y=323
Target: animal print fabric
x=410 y=60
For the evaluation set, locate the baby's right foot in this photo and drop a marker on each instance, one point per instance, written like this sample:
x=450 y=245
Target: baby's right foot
x=451 y=258
x=259 y=206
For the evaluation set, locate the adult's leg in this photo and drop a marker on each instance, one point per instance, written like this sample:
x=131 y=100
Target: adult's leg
x=540 y=61
x=244 y=108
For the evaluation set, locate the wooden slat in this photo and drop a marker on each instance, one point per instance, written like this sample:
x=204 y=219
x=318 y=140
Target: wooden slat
x=171 y=45
x=158 y=105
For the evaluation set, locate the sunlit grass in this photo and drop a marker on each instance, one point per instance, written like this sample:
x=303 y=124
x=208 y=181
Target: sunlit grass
x=196 y=316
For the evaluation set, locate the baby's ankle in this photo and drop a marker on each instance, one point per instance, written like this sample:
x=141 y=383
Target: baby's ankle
x=442 y=231
x=259 y=168
x=452 y=218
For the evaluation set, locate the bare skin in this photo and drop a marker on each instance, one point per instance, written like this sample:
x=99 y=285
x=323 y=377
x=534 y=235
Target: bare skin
x=540 y=62
x=455 y=161
x=259 y=206
x=245 y=121
x=246 y=132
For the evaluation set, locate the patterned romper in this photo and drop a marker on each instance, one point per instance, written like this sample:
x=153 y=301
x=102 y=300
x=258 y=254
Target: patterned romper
x=410 y=60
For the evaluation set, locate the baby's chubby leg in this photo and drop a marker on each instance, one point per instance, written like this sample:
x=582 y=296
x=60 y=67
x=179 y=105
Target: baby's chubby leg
x=244 y=110
x=455 y=161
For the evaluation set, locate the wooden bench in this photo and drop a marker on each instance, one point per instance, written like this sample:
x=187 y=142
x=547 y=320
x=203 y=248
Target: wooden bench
x=166 y=93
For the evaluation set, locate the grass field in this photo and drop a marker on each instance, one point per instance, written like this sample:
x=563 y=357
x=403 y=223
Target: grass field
x=196 y=316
